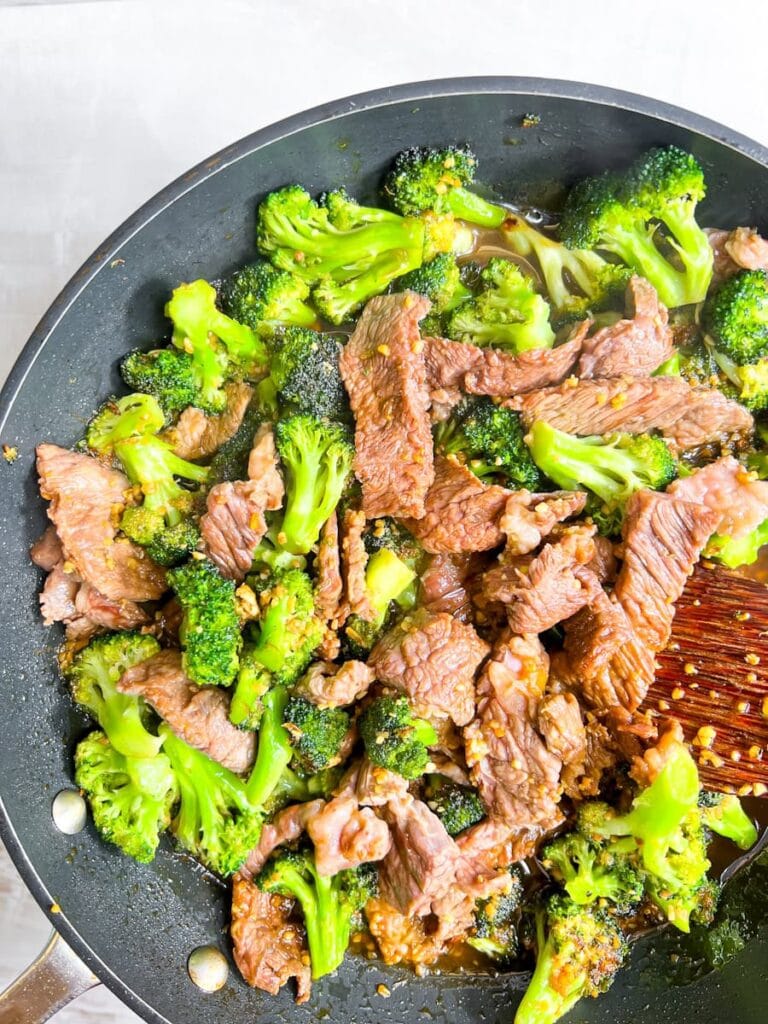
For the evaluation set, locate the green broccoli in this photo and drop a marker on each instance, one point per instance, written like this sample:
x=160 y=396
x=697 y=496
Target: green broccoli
x=288 y=629
x=579 y=951
x=507 y=312
x=736 y=317
x=491 y=441
x=722 y=813
x=737 y=551
x=130 y=797
x=388 y=578
x=619 y=214
x=495 y=928
x=304 y=370
x=328 y=903
x=394 y=738
x=611 y=467
x=216 y=821
x=693 y=362
x=230 y=461
x=440 y=281
x=316 y=734
x=169 y=375
x=93 y=675
x=317 y=459
x=172 y=545
x=423 y=179
x=264 y=298
x=210 y=630
x=458 y=807
x=121 y=418
x=274 y=750
x=252 y=683
x=590 y=871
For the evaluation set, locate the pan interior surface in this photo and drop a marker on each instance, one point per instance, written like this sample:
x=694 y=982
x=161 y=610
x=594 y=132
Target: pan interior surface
x=136 y=925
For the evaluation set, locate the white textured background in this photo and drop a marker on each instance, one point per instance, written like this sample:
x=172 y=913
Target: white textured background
x=103 y=103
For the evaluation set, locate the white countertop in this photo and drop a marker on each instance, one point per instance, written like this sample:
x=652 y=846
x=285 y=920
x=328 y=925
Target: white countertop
x=103 y=103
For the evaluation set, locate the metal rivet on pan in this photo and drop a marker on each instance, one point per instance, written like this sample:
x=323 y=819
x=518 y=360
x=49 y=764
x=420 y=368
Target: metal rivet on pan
x=69 y=812
x=208 y=968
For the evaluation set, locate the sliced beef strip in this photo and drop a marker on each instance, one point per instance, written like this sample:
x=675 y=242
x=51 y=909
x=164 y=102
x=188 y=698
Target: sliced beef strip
x=81 y=607
x=529 y=518
x=333 y=686
x=267 y=946
x=374 y=786
x=686 y=416
x=421 y=864
x=86 y=500
x=46 y=552
x=383 y=369
x=103 y=612
x=448 y=363
x=330 y=586
x=461 y=513
x=636 y=346
x=197 y=435
x=517 y=776
x=443 y=585
x=234 y=521
x=663 y=536
x=354 y=559
x=57 y=598
x=731 y=492
x=199 y=715
x=286 y=827
x=740 y=249
x=346 y=835
x=433 y=658
x=603 y=564
x=486 y=851
x=560 y=723
x=582 y=777
x=502 y=375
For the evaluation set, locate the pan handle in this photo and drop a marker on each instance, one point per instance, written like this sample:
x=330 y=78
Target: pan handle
x=51 y=981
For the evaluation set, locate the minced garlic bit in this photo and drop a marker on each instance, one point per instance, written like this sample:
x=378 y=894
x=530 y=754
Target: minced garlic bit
x=705 y=736
x=752 y=659
x=755 y=752
x=765 y=707
x=678 y=693
x=746 y=789
x=759 y=789
x=690 y=669
x=383 y=350
x=619 y=401
x=247 y=602
x=751 y=677
x=742 y=616
x=711 y=758
x=55 y=908
x=383 y=991
x=742 y=706
x=10 y=453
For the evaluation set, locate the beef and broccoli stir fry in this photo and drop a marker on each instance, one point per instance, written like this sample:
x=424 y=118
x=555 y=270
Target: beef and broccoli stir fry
x=364 y=579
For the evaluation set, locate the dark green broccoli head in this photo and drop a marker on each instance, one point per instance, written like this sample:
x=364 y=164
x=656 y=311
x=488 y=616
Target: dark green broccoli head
x=736 y=317
x=497 y=920
x=490 y=440
x=130 y=797
x=458 y=807
x=122 y=418
x=174 y=544
x=263 y=298
x=230 y=461
x=591 y=871
x=93 y=675
x=288 y=629
x=440 y=281
x=305 y=371
x=665 y=182
x=317 y=734
x=394 y=738
x=210 y=630
x=169 y=375
x=594 y=208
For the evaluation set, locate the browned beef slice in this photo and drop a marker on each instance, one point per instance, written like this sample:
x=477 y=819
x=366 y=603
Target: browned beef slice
x=551 y=587
x=333 y=686
x=286 y=827
x=529 y=518
x=686 y=416
x=502 y=374
x=448 y=362
x=442 y=585
x=346 y=835
x=329 y=587
x=197 y=435
x=517 y=776
x=234 y=521
x=57 y=598
x=636 y=346
x=421 y=863
x=433 y=658
x=83 y=609
x=461 y=512
x=740 y=249
x=375 y=786
x=401 y=938
x=47 y=551
x=354 y=559
x=736 y=496
x=197 y=714
x=267 y=946
x=383 y=369
x=663 y=536
x=486 y=851
x=582 y=776
x=102 y=611
x=603 y=564
x=561 y=726
x=86 y=500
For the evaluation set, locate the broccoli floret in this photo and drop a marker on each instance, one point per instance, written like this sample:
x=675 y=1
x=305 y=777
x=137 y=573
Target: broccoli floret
x=264 y=298
x=507 y=312
x=294 y=788
x=618 y=213
x=253 y=681
x=490 y=440
x=316 y=734
x=611 y=467
x=695 y=363
x=458 y=807
x=722 y=813
x=425 y=178
x=288 y=630
x=230 y=461
x=305 y=372
x=210 y=629
x=172 y=545
x=440 y=281
x=169 y=375
x=736 y=316
x=130 y=797
x=495 y=929
x=215 y=822
x=747 y=384
x=589 y=871
x=387 y=578
x=328 y=903
x=579 y=950
x=317 y=459
x=93 y=675
x=577 y=281
x=122 y=418
x=347 y=251
x=394 y=738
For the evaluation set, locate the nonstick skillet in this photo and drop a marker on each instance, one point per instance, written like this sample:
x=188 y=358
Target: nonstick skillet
x=135 y=926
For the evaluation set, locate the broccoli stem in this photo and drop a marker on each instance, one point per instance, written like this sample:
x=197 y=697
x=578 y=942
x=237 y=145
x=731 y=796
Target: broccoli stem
x=466 y=205
x=274 y=752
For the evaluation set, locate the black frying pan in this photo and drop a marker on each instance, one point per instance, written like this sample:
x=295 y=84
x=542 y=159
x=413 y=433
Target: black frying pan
x=135 y=926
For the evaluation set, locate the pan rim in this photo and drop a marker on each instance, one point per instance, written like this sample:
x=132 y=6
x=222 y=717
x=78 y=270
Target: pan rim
x=333 y=110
